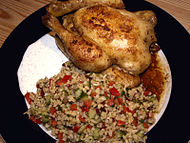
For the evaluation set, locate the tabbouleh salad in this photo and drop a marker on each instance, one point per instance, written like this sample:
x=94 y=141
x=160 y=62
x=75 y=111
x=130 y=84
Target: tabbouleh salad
x=81 y=107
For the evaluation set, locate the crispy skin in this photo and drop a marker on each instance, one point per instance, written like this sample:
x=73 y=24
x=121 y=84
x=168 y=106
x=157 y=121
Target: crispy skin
x=59 y=8
x=83 y=54
x=124 y=36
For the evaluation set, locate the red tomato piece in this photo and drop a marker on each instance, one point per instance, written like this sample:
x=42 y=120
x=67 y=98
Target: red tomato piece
x=73 y=107
x=146 y=93
x=60 y=135
x=81 y=119
x=27 y=97
x=114 y=91
x=76 y=128
x=119 y=122
x=37 y=121
x=52 y=110
x=87 y=103
x=64 y=80
x=145 y=125
x=53 y=122
x=135 y=122
x=98 y=87
x=110 y=102
x=61 y=141
x=126 y=109
x=111 y=83
x=88 y=127
x=93 y=94
x=120 y=100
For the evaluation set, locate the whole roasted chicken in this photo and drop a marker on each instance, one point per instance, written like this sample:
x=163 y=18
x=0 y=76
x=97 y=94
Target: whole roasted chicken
x=101 y=34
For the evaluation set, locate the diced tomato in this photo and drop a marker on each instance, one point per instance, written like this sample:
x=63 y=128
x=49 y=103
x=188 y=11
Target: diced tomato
x=61 y=141
x=114 y=91
x=28 y=99
x=42 y=93
x=87 y=103
x=32 y=118
x=119 y=122
x=111 y=83
x=73 y=107
x=88 y=127
x=93 y=94
x=105 y=93
x=135 y=122
x=60 y=135
x=37 y=121
x=126 y=109
x=133 y=111
x=37 y=86
x=110 y=102
x=98 y=87
x=84 y=109
x=146 y=93
x=145 y=125
x=76 y=128
x=120 y=100
x=81 y=81
x=64 y=80
x=52 y=110
x=53 y=122
x=81 y=119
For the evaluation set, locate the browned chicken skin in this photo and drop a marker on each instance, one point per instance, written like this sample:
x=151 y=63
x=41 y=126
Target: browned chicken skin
x=82 y=53
x=98 y=36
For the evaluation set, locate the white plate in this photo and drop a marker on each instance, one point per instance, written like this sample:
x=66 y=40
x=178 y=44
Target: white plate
x=43 y=59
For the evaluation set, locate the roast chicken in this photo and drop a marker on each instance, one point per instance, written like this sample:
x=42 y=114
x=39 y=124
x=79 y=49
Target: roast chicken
x=98 y=36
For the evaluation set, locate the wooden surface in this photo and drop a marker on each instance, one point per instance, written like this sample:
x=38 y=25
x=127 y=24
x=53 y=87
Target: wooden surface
x=12 y=12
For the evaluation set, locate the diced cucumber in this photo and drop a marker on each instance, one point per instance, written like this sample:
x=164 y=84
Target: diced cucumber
x=81 y=129
x=89 y=83
x=45 y=119
x=120 y=134
x=83 y=96
x=153 y=98
x=127 y=92
x=78 y=93
x=140 y=134
x=122 y=93
x=96 y=133
x=66 y=93
x=92 y=113
x=48 y=99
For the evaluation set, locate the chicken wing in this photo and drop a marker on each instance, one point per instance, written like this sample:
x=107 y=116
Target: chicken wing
x=59 y=8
